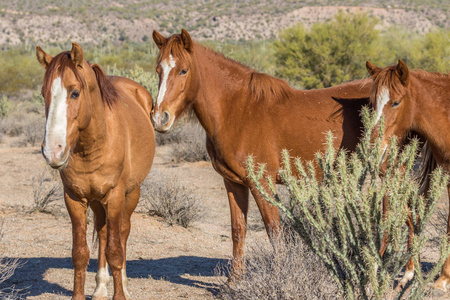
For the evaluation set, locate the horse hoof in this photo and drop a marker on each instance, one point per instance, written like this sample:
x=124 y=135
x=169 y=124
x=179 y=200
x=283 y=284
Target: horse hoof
x=404 y=281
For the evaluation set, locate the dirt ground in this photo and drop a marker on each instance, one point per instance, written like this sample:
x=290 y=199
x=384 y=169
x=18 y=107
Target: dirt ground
x=164 y=261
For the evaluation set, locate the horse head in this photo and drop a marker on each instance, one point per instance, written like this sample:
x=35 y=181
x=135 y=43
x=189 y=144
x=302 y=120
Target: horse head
x=67 y=87
x=177 y=85
x=390 y=98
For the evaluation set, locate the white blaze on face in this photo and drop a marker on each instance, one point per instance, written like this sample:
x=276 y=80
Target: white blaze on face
x=167 y=66
x=382 y=99
x=56 y=126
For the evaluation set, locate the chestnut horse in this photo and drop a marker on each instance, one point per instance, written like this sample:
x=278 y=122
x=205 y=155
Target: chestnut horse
x=248 y=113
x=417 y=101
x=99 y=136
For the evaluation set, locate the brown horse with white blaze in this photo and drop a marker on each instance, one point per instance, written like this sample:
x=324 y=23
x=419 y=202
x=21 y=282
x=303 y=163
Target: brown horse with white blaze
x=99 y=136
x=248 y=113
x=415 y=100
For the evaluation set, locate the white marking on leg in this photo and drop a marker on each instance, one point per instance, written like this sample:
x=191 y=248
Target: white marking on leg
x=382 y=99
x=125 y=284
x=406 y=277
x=56 y=126
x=167 y=66
x=102 y=280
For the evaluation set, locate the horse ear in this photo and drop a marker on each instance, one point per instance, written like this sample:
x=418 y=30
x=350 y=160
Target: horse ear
x=76 y=55
x=186 y=39
x=402 y=71
x=159 y=39
x=371 y=68
x=43 y=58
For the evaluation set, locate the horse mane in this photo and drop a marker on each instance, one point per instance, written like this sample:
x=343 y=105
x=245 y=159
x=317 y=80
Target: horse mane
x=108 y=91
x=263 y=87
x=63 y=61
x=268 y=88
x=388 y=78
x=175 y=48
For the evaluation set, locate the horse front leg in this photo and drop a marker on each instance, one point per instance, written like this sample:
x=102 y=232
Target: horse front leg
x=269 y=214
x=80 y=251
x=238 y=200
x=409 y=269
x=102 y=277
x=131 y=202
x=114 y=205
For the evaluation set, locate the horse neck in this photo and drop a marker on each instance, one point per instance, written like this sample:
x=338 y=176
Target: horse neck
x=221 y=83
x=431 y=96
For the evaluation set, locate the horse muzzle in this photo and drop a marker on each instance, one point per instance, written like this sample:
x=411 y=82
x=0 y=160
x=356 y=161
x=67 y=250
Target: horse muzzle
x=56 y=157
x=162 y=122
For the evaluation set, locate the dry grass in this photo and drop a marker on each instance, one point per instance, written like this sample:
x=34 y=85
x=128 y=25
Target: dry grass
x=288 y=271
x=164 y=196
x=190 y=142
x=46 y=191
x=7 y=268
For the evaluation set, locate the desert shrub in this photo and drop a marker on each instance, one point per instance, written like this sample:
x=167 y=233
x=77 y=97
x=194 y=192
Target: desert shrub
x=34 y=130
x=192 y=143
x=164 y=196
x=20 y=70
x=329 y=53
x=431 y=52
x=255 y=54
x=46 y=190
x=188 y=140
x=7 y=268
x=6 y=106
x=340 y=217
x=288 y=271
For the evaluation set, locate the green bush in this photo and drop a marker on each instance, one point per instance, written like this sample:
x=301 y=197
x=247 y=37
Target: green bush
x=6 y=106
x=329 y=53
x=340 y=216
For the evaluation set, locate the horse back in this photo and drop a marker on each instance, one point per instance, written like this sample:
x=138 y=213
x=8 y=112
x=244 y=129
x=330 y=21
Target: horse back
x=133 y=91
x=133 y=109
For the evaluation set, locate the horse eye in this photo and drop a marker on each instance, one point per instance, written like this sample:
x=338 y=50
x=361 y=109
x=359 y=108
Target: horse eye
x=183 y=72
x=395 y=104
x=75 y=94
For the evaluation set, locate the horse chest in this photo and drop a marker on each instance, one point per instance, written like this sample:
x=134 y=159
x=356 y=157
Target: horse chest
x=90 y=186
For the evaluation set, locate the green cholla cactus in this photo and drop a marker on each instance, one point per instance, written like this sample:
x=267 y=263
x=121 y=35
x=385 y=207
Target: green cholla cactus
x=340 y=217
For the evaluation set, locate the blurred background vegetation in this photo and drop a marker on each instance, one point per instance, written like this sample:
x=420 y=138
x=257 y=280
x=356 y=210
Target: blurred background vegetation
x=323 y=55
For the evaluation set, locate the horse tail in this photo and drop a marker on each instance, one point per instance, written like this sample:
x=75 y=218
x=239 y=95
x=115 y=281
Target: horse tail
x=424 y=166
x=94 y=234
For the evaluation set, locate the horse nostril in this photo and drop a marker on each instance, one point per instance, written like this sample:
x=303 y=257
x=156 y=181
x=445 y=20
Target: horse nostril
x=166 y=118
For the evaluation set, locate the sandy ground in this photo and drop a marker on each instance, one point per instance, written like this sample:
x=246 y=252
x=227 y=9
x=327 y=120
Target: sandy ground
x=164 y=261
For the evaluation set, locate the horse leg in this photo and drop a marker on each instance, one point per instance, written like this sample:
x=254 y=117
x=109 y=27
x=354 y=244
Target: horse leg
x=131 y=201
x=238 y=199
x=409 y=269
x=114 y=204
x=80 y=250
x=269 y=214
x=444 y=279
x=102 y=277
